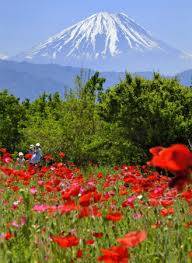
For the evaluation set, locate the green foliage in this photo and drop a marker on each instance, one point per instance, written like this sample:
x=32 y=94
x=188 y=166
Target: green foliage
x=11 y=115
x=149 y=112
x=113 y=126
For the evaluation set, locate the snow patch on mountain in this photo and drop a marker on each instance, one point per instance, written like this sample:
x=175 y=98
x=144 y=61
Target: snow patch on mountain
x=101 y=34
x=106 y=41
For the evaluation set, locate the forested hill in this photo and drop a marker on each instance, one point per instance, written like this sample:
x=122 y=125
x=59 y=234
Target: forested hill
x=27 y=80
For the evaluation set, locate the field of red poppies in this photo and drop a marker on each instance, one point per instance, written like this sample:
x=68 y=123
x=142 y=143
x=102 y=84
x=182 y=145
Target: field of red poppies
x=62 y=213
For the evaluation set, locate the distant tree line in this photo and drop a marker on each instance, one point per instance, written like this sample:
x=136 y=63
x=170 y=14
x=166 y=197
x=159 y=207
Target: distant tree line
x=111 y=126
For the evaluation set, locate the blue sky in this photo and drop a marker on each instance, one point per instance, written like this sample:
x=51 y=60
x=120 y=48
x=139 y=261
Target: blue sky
x=24 y=23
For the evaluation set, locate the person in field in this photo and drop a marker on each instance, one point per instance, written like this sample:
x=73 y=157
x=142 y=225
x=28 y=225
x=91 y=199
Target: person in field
x=31 y=149
x=20 y=158
x=37 y=154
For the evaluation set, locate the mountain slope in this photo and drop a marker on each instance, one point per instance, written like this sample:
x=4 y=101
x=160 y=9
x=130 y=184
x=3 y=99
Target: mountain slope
x=27 y=80
x=185 y=77
x=107 y=41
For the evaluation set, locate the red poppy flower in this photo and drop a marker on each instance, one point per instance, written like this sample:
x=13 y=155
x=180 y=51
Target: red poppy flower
x=166 y=203
x=156 y=150
x=187 y=195
x=67 y=207
x=28 y=156
x=48 y=157
x=129 y=202
x=91 y=197
x=68 y=241
x=176 y=158
x=62 y=154
x=116 y=254
x=100 y=175
x=98 y=235
x=132 y=239
x=8 y=235
x=167 y=211
x=79 y=253
x=89 y=211
x=117 y=216
x=90 y=242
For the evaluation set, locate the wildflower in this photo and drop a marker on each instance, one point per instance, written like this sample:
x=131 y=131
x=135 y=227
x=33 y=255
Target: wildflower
x=8 y=235
x=67 y=207
x=187 y=195
x=28 y=156
x=167 y=211
x=115 y=254
x=100 y=175
x=87 y=199
x=129 y=202
x=33 y=190
x=98 y=235
x=79 y=253
x=62 y=154
x=90 y=242
x=174 y=158
x=92 y=211
x=116 y=216
x=137 y=216
x=40 y=208
x=132 y=239
x=166 y=203
x=68 y=241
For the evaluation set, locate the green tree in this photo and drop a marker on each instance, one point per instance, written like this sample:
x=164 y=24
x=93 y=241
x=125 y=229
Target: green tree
x=149 y=112
x=12 y=113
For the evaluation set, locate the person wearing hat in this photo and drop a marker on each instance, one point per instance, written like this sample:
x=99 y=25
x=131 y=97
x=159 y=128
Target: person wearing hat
x=31 y=149
x=21 y=158
x=37 y=155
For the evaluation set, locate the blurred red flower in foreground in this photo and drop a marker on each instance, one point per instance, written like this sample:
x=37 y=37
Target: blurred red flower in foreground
x=116 y=254
x=132 y=239
x=68 y=241
x=174 y=158
x=119 y=254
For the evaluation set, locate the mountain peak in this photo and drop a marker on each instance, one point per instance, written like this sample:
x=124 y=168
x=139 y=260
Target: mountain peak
x=99 y=35
x=102 y=39
x=109 y=14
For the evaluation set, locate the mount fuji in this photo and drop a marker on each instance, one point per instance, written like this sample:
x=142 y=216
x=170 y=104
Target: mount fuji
x=106 y=41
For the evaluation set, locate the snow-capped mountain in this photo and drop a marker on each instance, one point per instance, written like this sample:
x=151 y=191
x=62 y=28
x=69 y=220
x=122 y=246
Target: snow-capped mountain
x=108 y=42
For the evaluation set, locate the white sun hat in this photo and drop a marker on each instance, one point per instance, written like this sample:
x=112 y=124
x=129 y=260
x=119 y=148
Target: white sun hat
x=38 y=144
x=21 y=154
